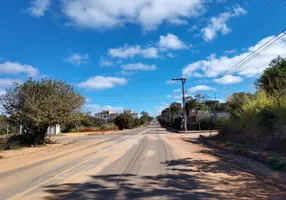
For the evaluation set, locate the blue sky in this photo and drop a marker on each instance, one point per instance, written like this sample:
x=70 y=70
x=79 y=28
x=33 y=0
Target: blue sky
x=121 y=54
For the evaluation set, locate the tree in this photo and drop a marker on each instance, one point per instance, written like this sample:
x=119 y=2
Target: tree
x=238 y=99
x=273 y=79
x=137 y=122
x=176 y=109
x=124 y=121
x=191 y=104
x=40 y=104
x=143 y=113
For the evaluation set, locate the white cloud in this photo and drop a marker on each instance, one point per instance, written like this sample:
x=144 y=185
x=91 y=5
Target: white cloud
x=128 y=51
x=218 y=24
x=171 y=41
x=2 y=92
x=95 y=108
x=200 y=88
x=213 y=66
x=169 y=82
x=228 y=79
x=7 y=82
x=160 y=108
x=138 y=67
x=87 y=99
x=17 y=68
x=39 y=7
x=177 y=90
x=170 y=55
x=230 y=51
x=104 y=62
x=105 y=14
x=126 y=73
x=101 y=82
x=174 y=96
x=179 y=21
x=77 y=59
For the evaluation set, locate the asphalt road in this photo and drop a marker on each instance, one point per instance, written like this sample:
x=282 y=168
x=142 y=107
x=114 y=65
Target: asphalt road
x=141 y=164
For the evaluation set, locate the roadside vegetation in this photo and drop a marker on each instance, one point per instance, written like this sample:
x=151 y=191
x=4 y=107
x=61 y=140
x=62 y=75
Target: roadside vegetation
x=171 y=117
x=257 y=126
x=125 y=121
x=37 y=105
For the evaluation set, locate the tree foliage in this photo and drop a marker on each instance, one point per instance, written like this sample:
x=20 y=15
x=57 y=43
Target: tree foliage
x=273 y=79
x=238 y=99
x=40 y=104
x=124 y=121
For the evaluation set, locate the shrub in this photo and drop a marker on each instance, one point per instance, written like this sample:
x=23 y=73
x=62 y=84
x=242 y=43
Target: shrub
x=124 y=121
x=109 y=126
x=14 y=142
x=176 y=124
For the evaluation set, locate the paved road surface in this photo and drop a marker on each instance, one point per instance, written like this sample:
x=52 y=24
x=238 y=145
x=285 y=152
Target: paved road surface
x=147 y=163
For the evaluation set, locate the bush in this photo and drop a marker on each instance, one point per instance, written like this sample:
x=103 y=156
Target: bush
x=138 y=122
x=176 y=124
x=109 y=126
x=14 y=142
x=124 y=121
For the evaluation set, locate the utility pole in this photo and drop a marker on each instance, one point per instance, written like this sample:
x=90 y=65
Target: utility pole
x=183 y=80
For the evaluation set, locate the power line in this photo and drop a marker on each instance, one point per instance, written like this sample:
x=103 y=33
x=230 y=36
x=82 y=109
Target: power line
x=250 y=57
x=261 y=16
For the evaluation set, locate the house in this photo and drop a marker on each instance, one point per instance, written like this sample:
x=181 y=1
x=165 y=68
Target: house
x=194 y=116
x=135 y=115
x=54 y=130
x=106 y=115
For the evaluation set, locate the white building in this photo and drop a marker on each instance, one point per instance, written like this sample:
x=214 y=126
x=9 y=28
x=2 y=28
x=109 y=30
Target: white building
x=106 y=115
x=135 y=115
x=54 y=130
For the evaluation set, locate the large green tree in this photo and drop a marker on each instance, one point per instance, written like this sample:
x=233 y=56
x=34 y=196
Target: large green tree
x=273 y=79
x=40 y=104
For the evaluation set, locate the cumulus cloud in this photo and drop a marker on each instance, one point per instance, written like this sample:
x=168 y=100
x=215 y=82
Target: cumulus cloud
x=228 y=79
x=39 y=7
x=96 y=108
x=200 y=88
x=102 y=82
x=6 y=82
x=77 y=59
x=218 y=24
x=172 y=42
x=138 y=67
x=16 y=68
x=128 y=51
x=106 y=14
x=213 y=66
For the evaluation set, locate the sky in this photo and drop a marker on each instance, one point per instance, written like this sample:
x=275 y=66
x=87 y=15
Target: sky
x=123 y=54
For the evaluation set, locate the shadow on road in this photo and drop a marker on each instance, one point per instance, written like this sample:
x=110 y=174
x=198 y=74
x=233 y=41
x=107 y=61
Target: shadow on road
x=185 y=179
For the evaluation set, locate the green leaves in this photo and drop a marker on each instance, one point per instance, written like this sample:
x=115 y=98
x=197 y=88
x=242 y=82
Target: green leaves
x=40 y=104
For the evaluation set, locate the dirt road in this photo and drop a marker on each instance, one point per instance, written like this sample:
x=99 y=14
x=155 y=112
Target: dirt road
x=142 y=164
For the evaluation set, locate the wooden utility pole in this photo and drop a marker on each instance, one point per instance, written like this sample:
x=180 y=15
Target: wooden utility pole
x=183 y=80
